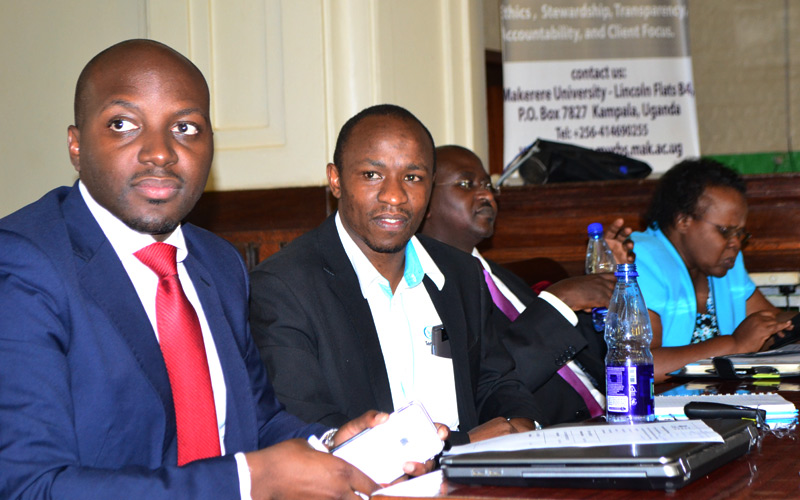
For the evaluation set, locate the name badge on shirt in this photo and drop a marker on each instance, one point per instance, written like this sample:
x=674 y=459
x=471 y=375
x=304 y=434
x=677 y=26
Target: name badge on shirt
x=436 y=337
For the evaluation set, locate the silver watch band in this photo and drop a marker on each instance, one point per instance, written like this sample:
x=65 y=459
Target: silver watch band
x=327 y=438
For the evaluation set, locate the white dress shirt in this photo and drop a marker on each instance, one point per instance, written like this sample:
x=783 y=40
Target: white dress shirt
x=404 y=321
x=561 y=307
x=126 y=242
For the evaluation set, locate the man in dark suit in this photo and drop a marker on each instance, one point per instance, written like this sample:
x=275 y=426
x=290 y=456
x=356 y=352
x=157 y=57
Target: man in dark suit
x=360 y=313
x=89 y=407
x=558 y=354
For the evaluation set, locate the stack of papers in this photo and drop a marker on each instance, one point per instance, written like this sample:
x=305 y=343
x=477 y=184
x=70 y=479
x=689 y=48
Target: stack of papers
x=780 y=412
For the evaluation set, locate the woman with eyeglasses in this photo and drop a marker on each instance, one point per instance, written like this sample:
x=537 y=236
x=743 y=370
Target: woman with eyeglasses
x=701 y=301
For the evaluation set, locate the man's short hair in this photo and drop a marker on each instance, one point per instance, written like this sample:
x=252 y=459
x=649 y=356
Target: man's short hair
x=446 y=148
x=377 y=110
x=83 y=79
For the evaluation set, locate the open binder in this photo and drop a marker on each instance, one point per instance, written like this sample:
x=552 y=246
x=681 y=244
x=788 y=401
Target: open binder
x=780 y=413
x=782 y=362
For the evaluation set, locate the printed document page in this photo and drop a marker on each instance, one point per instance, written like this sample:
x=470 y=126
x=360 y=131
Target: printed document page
x=685 y=431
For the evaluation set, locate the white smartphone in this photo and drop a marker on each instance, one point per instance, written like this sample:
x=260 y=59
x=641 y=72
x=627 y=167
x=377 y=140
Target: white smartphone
x=409 y=435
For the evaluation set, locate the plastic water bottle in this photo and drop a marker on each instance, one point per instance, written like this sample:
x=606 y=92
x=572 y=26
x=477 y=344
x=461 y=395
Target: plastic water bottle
x=599 y=259
x=629 y=362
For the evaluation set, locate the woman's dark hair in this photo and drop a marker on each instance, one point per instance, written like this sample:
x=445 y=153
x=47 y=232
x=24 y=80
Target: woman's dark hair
x=681 y=186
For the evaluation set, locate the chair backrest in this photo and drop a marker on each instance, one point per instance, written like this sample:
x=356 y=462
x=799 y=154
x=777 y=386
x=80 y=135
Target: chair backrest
x=538 y=269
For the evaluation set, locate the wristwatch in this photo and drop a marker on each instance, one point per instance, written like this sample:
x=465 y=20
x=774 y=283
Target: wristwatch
x=327 y=438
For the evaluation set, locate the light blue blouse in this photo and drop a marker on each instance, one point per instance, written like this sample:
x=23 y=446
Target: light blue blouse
x=668 y=290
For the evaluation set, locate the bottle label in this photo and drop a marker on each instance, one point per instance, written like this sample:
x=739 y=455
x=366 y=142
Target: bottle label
x=629 y=390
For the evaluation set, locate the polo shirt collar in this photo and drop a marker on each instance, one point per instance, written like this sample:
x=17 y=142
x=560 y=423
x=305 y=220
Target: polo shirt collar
x=418 y=264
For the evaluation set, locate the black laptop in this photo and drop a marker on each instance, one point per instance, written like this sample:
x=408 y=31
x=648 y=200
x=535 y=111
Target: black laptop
x=648 y=466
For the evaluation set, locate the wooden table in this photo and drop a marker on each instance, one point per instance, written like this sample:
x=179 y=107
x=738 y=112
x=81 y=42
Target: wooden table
x=771 y=472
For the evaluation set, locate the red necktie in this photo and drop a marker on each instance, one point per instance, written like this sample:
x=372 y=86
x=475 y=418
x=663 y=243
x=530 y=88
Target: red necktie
x=185 y=356
x=565 y=372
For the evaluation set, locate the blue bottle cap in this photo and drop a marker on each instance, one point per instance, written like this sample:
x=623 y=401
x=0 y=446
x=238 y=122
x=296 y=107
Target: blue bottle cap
x=594 y=228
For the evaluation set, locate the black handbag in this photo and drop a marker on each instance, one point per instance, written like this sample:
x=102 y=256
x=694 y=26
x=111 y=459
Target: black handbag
x=549 y=161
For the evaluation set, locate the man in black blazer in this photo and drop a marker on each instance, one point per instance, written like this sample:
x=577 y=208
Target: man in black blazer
x=547 y=336
x=349 y=316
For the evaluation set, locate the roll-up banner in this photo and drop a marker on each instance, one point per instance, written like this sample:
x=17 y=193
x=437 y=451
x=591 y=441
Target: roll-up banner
x=610 y=75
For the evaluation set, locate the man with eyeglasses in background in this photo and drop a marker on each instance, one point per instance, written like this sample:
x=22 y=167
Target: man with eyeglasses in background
x=558 y=354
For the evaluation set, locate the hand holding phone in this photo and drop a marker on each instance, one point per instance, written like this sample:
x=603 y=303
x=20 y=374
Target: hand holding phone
x=789 y=336
x=409 y=435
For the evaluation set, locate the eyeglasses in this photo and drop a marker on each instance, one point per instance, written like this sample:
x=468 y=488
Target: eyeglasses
x=728 y=232
x=470 y=185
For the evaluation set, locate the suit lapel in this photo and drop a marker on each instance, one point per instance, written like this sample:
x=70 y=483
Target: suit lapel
x=343 y=283
x=104 y=278
x=449 y=307
x=240 y=422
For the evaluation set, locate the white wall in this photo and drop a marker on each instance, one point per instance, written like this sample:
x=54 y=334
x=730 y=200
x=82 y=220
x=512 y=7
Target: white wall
x=744 y=54
x=43 y=47
x=284 y=74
